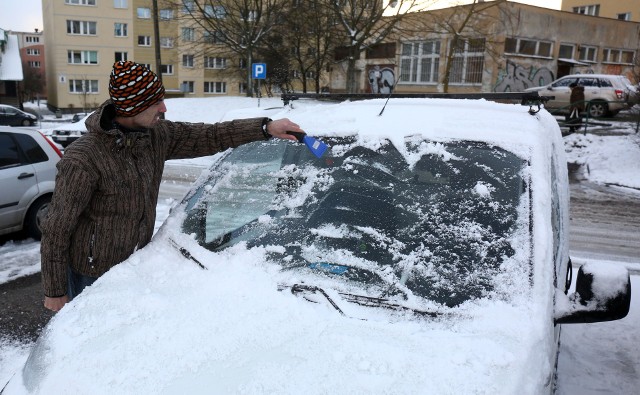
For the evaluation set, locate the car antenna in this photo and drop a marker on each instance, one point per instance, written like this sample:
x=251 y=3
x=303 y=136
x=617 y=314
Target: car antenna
x=393 y=88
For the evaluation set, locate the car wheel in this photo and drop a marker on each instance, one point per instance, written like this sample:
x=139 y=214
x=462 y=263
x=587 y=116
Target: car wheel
x=598 y=109
x=35 y=217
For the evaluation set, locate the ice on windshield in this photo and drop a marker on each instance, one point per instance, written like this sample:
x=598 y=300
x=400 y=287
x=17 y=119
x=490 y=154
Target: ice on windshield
x=435 y=222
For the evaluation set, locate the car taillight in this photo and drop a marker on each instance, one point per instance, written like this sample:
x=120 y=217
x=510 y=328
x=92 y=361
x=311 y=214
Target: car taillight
x=620 y=93
x=52 y=145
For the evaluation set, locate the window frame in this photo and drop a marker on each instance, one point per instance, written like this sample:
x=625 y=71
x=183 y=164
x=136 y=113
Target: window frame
x=413 y=58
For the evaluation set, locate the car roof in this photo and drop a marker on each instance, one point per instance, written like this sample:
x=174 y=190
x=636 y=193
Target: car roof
x=504 y=125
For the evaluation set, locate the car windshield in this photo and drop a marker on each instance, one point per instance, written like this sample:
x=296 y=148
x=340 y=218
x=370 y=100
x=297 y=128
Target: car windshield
x=435 y=221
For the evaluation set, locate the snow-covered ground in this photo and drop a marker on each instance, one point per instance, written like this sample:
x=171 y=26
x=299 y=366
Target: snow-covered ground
x=601 y=358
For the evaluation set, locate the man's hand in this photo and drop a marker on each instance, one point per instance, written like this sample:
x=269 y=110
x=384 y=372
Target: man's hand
x=55 y=304
x=280 y=127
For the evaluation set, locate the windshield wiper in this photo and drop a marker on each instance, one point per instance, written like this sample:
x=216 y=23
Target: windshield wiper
x=185 y=253
x=367 y=301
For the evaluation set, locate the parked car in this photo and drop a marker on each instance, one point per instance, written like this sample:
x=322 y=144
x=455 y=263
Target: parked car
x=79 y=116
x=424 y=252
x=11 y=116
x=27 y=176
x=606 y=94
x=69 y=132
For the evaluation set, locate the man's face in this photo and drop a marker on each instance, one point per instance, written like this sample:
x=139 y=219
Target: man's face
x=150 y=116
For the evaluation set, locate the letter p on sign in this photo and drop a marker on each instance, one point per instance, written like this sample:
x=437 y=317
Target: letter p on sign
x=259 y=71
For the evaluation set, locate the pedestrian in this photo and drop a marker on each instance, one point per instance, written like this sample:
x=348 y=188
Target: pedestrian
x=103 y=205
x=576 y=106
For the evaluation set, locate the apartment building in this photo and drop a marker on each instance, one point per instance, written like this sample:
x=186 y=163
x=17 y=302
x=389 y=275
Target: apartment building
x=32 y=53
x=85 y=37
x=625 y=10
x=507 y=48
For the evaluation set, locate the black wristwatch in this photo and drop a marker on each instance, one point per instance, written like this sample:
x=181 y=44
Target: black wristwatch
x=264 y=128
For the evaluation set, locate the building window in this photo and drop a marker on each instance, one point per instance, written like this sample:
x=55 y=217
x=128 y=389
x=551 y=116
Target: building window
x=468 y=62
x=187 y=60
x=144 y=41
x=188 y=34
x=83 y=86
x=211 y=62
x=528 y=47
x=34 y=64
x=588 y=10
x=166 y=69
x=624 y=16
x=213 y=37
x=381 y=51
x=144 y=12
x=120 y=4
x=610 y=55
x=166 y=14
x=215 y=87
x=242 y=87
x=187 y=87
x=33 y=52
x=587 y=53
x=120 y=29
x=32 y=39
x=216 y=12
x=166 y=42
x=420 y=61
x=81 y=27
x=121 y=56
x=242 y=64
x=82 y=57
x=188 y=6
x=566 y=51
x=80 y=2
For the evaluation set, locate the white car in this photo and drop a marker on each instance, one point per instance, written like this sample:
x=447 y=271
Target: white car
x=69 y=132
x=605 y=94
x=27 y=176
x=426 y=251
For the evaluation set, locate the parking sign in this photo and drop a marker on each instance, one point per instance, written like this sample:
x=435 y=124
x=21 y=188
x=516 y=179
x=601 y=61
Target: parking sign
x=259 y=71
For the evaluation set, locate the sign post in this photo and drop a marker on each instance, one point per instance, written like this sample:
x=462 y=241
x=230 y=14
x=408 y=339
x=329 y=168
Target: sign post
x=259 y=72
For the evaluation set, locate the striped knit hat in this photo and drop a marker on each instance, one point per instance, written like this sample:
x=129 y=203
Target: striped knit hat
x=133 y=88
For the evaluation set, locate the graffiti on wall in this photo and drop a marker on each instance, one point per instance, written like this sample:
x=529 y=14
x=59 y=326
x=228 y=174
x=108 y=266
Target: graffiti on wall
x=516 y=78
x=381 y=79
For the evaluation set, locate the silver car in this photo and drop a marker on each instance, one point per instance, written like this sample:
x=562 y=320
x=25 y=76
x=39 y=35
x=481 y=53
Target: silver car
x=27 y=176
x=606 y=94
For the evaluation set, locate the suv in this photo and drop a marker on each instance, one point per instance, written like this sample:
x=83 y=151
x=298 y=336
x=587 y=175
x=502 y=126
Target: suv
x=27 y=174
x=432 y=248
x=11 y=116
x=606 y=94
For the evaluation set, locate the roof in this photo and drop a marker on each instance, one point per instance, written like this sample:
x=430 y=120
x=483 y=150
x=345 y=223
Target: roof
x=10 y=61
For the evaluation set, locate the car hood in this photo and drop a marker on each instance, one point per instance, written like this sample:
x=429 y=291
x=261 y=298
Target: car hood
x=158 y=323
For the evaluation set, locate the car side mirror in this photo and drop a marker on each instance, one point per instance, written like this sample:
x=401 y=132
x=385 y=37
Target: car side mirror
x=550 y=88
x=603 y=293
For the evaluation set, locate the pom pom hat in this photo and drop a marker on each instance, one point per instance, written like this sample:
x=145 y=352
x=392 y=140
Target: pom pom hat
x=133 y=88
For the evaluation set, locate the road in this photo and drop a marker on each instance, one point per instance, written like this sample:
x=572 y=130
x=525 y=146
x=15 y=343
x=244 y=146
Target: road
x=605 y=224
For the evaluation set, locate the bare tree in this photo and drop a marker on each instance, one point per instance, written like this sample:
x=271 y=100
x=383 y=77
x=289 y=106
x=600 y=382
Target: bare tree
x=470 y=29
x=364 y=23
x=242 y=26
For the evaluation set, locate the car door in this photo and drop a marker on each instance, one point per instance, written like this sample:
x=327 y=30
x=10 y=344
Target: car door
x=4 y=118
x=18 y=182
x=560 y=89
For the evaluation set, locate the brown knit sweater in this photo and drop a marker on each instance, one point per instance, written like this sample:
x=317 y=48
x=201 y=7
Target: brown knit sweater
x=104 y=202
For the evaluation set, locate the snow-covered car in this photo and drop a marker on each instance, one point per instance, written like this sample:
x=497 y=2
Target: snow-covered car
x=425 y=252
x=606 y=94
x=69 y=132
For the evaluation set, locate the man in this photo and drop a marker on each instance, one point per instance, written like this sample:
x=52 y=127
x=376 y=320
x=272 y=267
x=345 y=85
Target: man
x=103 y=206
x=576 y=107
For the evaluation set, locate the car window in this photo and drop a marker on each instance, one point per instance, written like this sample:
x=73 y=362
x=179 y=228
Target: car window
x=438 y=225
x=565 y=82
x=10 y=111
x=31 y=149
x=605 y=83
x=588 y=82
x=8 y=151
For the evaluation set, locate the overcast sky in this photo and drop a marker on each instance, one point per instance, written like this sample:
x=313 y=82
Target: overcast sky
x=26 y=15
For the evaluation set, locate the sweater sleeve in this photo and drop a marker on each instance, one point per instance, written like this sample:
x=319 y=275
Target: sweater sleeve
x=73 y=191
x=191 y=140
